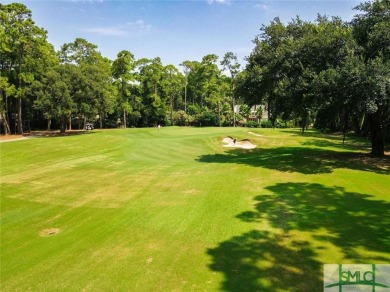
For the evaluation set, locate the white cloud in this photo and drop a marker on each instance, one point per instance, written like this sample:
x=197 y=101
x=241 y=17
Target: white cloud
x=105 y=31
x=218 y=1
x=263 y=7
x=131 y=28
x=138 y=27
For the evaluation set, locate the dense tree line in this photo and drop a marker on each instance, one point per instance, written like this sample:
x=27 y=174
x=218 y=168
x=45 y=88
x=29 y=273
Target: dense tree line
x=329 y=73
x=41 y=88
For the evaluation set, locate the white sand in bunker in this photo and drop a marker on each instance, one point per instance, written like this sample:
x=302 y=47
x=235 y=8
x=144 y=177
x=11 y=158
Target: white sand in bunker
x=232 y=143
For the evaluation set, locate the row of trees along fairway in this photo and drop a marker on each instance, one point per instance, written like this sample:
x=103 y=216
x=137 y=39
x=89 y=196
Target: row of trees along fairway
x=327 y=72
x=334 y=73
x=42 y=88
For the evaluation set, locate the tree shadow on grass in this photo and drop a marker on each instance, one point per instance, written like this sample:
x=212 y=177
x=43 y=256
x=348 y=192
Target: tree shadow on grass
x=258 y=261
x=326 y=143
x=57 y=133
x=318 y=134
x=354 y=220
x=276 y=260
x=352 y=142
x=301 y=159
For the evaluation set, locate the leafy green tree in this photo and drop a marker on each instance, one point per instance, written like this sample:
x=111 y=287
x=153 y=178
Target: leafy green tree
x=123 y=72
x=376 y=98
x=266 y=68
x=98 y=89
x=6 y=90
x=339 y=90
x=150 y=77
x=230 y=63
x=94 y=94
x=283 y=67
x=172 y=84
x=209 y=80
x=194 y=92
x=245 y=110
x=186 y=70
x=80 y=51
x=371 y=29
x=54 y=92
x=25 y=52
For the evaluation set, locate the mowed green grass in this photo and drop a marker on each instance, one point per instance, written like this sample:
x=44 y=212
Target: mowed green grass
x=173 y=210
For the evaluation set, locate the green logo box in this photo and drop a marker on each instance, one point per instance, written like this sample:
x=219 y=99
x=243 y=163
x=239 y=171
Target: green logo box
x=357 y=277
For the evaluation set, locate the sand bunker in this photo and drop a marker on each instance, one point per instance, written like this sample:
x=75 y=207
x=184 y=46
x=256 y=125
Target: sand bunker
x=227 y=140
x=244 y=144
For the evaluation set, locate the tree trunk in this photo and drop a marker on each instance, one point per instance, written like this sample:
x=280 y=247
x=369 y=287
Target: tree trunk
x=172 y=111
x=185 y=98
x=6 y=114
x=48 y=124
x=20 y=121
x=101 y=120
x=7 y=130
x=219 y=114
x=377 y=134
x=345 y=126
x=29 y=125
x=234 y=113
x=63 y=125
x=70 y=123
x=124 y=118
x=361 y=122
x=123 y=99
x=303 y=125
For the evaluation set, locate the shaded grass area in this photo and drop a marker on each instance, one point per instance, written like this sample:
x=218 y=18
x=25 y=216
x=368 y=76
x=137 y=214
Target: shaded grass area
x=305 y=220
x=268 y=261
x=303 y=160
x=263 y=261
x=172 y=210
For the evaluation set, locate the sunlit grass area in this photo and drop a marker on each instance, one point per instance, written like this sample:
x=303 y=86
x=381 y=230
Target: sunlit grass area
x=173 y=210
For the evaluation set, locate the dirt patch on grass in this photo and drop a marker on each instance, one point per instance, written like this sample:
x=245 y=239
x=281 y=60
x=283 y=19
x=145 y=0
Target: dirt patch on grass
x=49 y=232
x=43 y=134
x=57 y=133
x=9 y=138
x=149 y=260
x=191 y=192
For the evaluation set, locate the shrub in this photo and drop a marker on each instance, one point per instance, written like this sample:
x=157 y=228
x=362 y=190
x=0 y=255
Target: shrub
x=207 y=118
x=284 y=124
x=251 y=124
x=266 y=124
x=180 y=118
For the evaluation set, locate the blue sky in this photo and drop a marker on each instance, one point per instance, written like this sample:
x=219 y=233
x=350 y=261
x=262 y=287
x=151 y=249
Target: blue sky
x=174 y=30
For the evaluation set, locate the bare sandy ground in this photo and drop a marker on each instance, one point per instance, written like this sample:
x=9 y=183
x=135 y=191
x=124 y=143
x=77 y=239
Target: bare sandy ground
x=10 y=138
x=243 y=144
